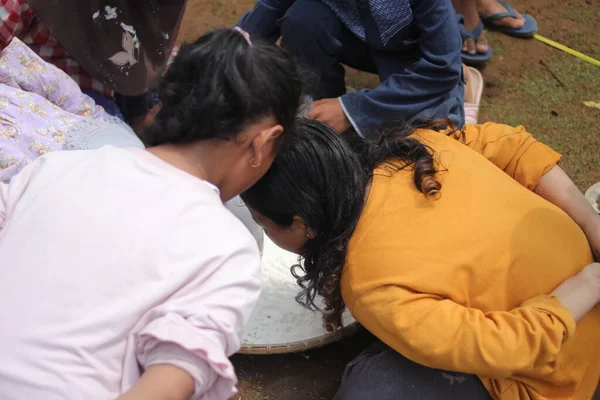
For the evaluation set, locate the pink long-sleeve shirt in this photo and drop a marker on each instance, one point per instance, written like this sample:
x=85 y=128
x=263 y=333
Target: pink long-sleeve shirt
x=110 y=261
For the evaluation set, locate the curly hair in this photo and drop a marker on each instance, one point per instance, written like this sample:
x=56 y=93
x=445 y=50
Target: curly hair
x=322 y=177
x=219 y=85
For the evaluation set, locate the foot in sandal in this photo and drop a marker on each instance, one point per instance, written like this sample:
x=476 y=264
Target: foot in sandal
x=475 y=50
x=499 y=15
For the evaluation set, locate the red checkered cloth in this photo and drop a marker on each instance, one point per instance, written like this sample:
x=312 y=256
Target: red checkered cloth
x=18 y=20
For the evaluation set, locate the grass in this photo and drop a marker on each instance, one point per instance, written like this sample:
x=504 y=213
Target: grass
x=547 y=97
x=557 y=116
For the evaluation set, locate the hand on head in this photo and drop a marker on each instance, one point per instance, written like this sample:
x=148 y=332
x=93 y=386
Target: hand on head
x=331 y=113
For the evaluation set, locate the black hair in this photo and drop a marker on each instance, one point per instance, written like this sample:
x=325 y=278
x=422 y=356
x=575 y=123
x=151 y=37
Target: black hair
x=322 y=176
x=221 y=84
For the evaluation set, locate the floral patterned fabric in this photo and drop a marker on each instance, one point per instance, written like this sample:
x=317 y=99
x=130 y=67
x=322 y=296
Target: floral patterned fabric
x=39 y=107
x=17 y=19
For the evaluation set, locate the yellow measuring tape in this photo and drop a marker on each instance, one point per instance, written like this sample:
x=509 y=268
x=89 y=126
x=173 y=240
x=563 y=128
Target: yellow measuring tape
x=568 y=50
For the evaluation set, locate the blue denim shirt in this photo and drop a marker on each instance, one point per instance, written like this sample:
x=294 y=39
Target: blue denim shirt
x=425 y=53
x=388 y=16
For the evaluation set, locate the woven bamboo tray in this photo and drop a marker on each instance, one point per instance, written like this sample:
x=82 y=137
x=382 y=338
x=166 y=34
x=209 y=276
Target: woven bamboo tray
x=302 y=345
x=278 y=323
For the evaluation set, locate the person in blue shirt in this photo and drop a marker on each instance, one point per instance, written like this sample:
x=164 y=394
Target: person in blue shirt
x=413 y=45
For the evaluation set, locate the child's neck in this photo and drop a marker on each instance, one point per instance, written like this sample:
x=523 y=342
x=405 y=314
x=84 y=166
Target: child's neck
x=203 y=160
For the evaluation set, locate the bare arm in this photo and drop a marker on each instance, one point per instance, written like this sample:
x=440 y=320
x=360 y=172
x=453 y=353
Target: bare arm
x=580 y=293
x=161 y=382
x=556 y=187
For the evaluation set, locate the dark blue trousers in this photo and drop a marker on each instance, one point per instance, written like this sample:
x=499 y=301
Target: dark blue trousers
x=321 y=43
x=381 y=373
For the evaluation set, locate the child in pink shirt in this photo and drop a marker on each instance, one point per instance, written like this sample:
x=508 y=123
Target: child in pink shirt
x=123 y=275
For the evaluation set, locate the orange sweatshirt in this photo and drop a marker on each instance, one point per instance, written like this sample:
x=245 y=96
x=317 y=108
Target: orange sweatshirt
x=460 y=283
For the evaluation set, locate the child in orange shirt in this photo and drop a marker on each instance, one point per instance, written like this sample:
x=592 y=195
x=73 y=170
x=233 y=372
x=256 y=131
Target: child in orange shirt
x=445 y=245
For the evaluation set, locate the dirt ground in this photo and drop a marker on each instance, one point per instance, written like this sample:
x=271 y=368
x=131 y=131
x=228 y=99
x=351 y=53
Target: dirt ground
x=527 y=83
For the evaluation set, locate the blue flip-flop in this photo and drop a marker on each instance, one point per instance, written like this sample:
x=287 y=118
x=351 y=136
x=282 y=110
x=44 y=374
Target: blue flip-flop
x=528 y=29
x=477 y=58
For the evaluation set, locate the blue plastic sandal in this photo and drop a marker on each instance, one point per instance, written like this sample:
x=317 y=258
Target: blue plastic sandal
x=477 y=58
x=529 y=29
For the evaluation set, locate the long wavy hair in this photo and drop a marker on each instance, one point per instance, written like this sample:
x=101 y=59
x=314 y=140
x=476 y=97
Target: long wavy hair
x=322 y=177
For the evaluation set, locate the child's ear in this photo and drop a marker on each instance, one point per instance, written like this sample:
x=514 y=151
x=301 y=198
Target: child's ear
x=264 y=142
x=300 y=224
x=274 y=132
